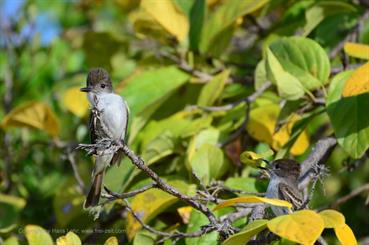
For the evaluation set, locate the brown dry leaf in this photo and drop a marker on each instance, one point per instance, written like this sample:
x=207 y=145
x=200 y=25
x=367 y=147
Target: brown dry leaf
x=35 y=115
x=358 y=83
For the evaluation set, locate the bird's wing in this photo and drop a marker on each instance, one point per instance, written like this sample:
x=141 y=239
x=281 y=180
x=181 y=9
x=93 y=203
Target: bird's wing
x=290 y=194
x=92 y=127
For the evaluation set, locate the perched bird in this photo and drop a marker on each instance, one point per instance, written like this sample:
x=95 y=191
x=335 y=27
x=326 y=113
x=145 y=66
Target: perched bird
x=283 y=184
x=108 y=120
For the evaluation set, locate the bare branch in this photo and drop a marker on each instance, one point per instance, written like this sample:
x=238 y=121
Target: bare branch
x=115 y=195
x=351 y=195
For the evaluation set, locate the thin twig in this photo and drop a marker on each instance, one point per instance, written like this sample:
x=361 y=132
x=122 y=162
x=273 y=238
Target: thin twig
x=77 y=176
x=351 y=195
x=125 y=195
x=351 y=34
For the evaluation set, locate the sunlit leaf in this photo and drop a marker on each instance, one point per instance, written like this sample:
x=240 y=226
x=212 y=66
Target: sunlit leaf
x=358 y=82
x=302 y=227
x=111 y=241
x=288 y=86
x=11 y=241
x=15 y=201
x=150 y=203
x=185 y=213
x=353 y=134
x=253 y=199
x=35 y=115
x=208 y=163
x=213 y=89
x=156 y=85
x=254 y=159
x=345 y=235
x=168 y=16
x=295 y=65
x=247 y=233
x=69 y=239
x=357 y=50
x=222 y=20
x=262 y=125
x=75 y=101
x=37 y=235
x=332 y=218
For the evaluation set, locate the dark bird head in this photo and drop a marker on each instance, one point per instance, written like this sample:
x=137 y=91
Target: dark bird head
x=98 y=81
x=284 y=168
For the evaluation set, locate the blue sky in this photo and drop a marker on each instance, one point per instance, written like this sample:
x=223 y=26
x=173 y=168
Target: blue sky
x=45 y=24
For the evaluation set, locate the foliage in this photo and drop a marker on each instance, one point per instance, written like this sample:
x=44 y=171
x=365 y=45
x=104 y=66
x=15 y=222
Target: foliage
x=213 y=87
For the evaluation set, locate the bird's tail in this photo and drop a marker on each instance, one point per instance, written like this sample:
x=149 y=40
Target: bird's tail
x=93 y=196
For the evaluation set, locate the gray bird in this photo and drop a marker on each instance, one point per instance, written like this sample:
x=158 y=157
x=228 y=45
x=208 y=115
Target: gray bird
x=283 y=184
x=108 y=119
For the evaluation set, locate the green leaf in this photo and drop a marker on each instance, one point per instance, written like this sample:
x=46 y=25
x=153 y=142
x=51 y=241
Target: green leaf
x=197 y=16
x=11 y=241
x=37 y=235
x=260 y=75
x=246 y=184
x=10 y=207
x=197 y=220
x=208 y=163
x=288 y=86
x=247 y=233
x=155 y=85
x=213 y=89
x=67 y=204
x=352 y=134
x=223 y=18
x=303 y=60
x=160 y=147
x=316 y=14
x=144 y=237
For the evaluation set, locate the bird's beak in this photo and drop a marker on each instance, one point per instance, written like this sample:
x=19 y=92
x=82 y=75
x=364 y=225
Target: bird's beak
x=86 y=89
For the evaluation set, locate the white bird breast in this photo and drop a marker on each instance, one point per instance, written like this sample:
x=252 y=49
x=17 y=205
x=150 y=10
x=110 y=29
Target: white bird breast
x=113 y=113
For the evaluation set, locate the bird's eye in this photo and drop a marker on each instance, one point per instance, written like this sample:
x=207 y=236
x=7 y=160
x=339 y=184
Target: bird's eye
x=102 y=85
x=277 y=166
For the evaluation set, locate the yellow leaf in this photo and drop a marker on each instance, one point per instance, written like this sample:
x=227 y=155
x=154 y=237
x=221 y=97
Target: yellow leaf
x=37 y=235
x=253 y=199
x=247 y=233
x=13 y=200
x=254 y=159
x=111 y=241
x=357 y=50
x=151 y=203
x=332 y=218
x=345 y=235
x=168 y=16
x=75 y=101
x=358 y=82
x=303 y=226
x=34 y=115
x=262 y=124
x=185 y=213
x=69 y=239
